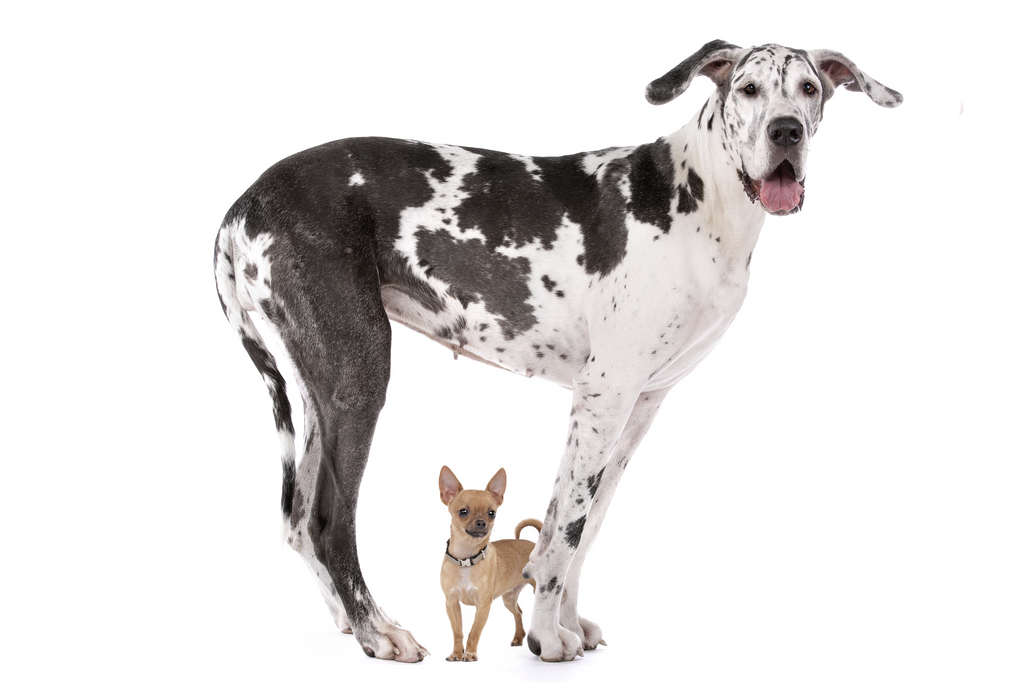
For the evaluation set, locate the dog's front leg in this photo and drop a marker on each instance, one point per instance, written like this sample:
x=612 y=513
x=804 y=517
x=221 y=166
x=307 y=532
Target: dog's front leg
x=639 y=422
x=483 y=610
x=600 y=410
x=455 y=617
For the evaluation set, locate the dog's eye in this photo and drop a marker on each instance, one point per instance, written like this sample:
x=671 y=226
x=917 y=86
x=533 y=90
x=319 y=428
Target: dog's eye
x=809 y=89
x=751 y=89
x=490 y=513
x=463 y=512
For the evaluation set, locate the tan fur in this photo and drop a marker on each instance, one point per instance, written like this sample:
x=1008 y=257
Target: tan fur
x=499 y=573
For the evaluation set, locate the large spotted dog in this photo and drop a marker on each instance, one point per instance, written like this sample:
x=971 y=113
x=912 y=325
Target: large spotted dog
x=611 y=273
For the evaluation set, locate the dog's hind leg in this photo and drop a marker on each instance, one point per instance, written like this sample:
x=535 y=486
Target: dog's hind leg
x=341 y=345
x=242 y=269
x=313 y=277
x=511 y=600
x=298 y=536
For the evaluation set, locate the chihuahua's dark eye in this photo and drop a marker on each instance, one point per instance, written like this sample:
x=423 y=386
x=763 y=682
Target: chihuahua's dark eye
x=463 y=512
x=490 y=513
x=809 y=89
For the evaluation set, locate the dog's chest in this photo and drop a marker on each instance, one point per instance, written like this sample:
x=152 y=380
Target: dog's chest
x=672 y=300
x=465 y=588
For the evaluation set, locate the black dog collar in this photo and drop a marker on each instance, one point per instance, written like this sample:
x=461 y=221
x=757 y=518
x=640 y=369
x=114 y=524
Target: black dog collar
x=468 y=562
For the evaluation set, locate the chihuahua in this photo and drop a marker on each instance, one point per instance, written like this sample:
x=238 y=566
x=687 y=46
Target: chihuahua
x=475 y=571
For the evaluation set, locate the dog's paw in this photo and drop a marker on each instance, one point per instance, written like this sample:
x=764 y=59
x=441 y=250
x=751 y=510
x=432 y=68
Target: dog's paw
x=589 y=633
x=469 y=657
x=586 y=630
x=383 y=639
x=455 y=656
x=561 y=645
x=517 y=641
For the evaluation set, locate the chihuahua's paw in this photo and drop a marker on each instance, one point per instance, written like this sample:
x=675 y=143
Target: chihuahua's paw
x=384 y=639
x=517 y=640
x=455 y=656
x=562 y=645
x=469 y=657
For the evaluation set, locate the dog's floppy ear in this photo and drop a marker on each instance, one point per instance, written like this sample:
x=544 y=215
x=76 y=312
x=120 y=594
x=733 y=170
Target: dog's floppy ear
x=448 y=484
x=714 y=60
x=496 y=486
x=838 y=70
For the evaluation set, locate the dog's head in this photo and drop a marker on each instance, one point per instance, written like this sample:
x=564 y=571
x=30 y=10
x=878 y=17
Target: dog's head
x=473 y=512
x=770 y=101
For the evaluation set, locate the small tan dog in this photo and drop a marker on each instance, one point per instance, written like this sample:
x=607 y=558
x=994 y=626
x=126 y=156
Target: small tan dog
x=475 y=572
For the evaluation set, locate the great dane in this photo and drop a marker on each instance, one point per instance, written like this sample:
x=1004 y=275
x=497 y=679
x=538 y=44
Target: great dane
x=612 y=273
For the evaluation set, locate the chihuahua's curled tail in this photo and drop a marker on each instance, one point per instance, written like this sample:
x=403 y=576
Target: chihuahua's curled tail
x=536 y=524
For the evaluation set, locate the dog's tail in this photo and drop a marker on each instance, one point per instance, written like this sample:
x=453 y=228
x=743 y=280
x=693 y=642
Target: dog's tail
x=226 y=269
x=536 y=524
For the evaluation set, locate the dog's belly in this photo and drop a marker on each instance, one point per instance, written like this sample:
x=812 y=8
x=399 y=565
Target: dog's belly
x=555 y=348
x=660 y=328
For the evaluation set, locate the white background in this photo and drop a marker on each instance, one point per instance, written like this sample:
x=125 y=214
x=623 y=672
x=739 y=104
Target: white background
x=835 y=495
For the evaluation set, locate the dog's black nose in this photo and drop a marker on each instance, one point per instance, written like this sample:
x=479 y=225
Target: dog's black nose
x=480 y=524
x=785 y=131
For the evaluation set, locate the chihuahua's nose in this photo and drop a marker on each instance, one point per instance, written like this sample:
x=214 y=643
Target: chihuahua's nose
x=480 y=524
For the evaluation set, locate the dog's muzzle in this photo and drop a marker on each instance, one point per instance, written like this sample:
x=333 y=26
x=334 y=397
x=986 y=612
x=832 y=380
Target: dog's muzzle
x=780 y=192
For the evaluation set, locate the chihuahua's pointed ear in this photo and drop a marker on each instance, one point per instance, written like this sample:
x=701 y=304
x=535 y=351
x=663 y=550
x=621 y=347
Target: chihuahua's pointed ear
x=496 y=486
x=448 y=484
x=714 y=60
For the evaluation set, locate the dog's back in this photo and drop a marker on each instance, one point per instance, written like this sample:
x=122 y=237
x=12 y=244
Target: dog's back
x=515 y=553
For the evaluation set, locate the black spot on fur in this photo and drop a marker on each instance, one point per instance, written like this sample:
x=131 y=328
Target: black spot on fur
x=598 y=208
x=453 y=331
x=287 y=487
x=574 y=531
x=594 y=481
x=701 y=117
x=696 y=185
x=498 y=182
x=687 y=203
x=650 y=182
x=501 y=282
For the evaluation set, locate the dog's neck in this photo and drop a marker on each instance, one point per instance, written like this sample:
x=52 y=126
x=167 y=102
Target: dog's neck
x=699 y=146
x=462 y=546
x=465 y=561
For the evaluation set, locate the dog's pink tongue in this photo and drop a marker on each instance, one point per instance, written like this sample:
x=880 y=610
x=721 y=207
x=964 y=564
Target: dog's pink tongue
x=780 y=191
